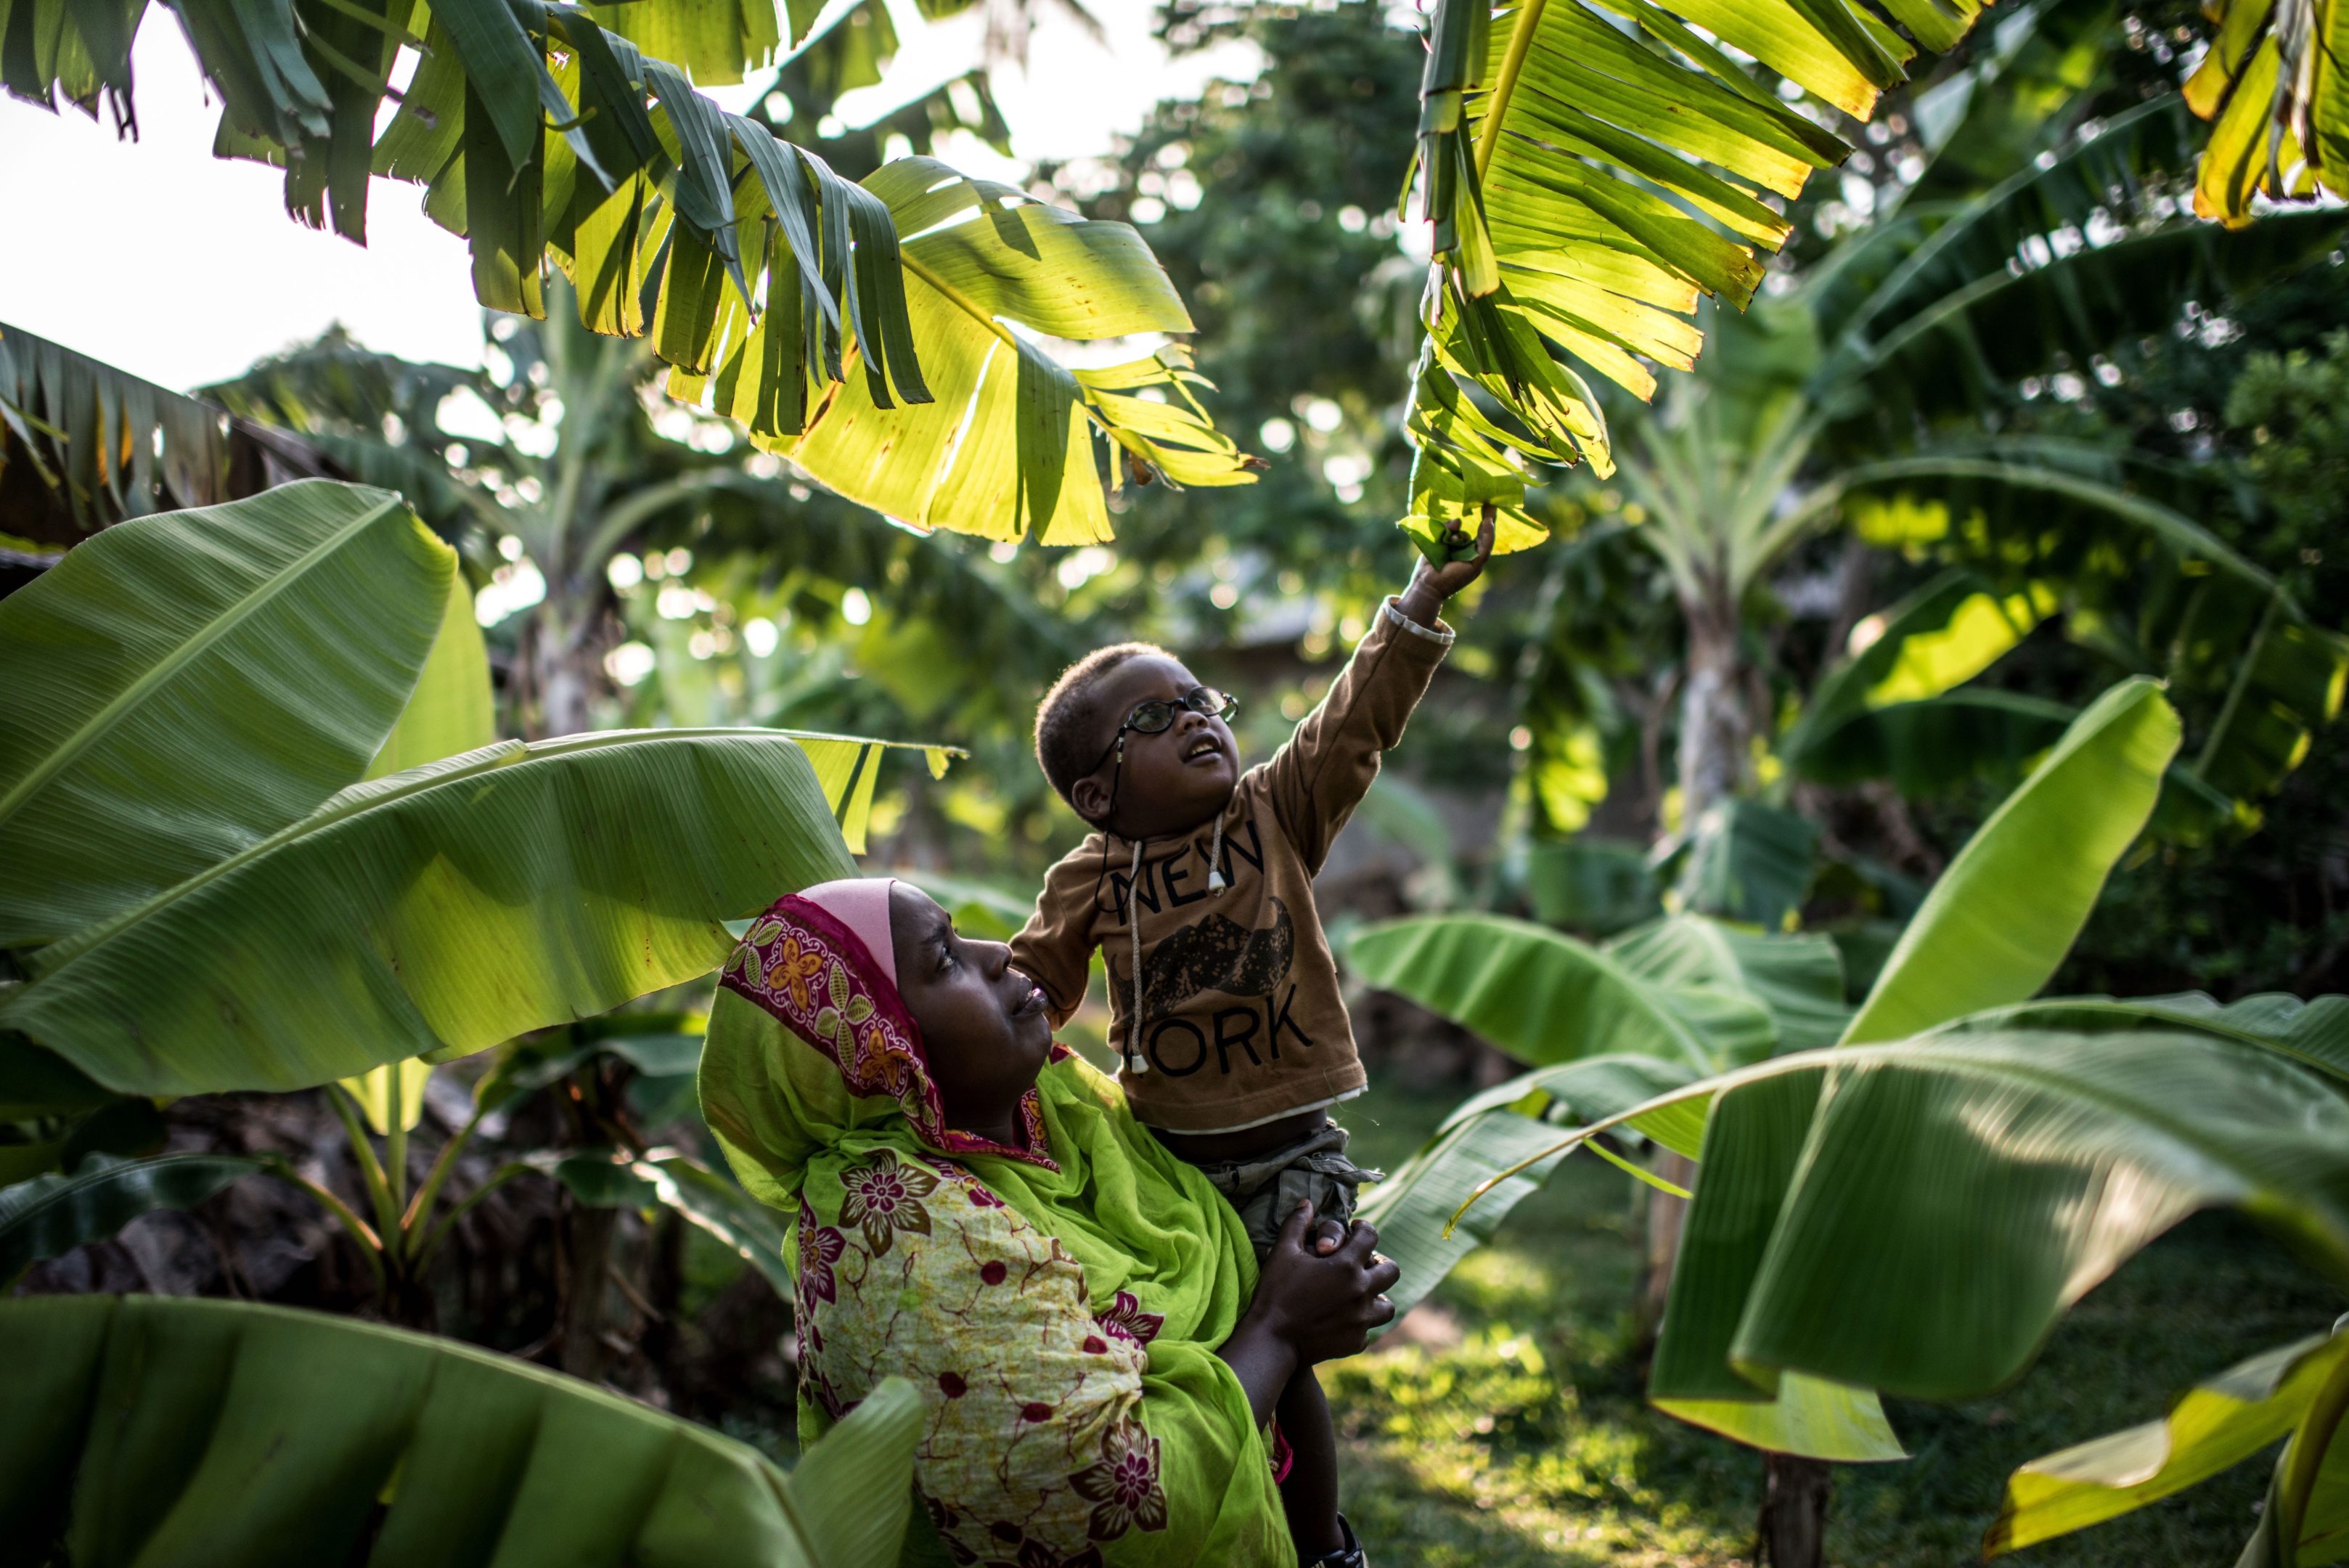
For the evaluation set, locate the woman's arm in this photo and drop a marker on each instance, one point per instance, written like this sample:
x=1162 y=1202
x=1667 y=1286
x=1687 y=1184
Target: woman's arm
x=1309 y=1307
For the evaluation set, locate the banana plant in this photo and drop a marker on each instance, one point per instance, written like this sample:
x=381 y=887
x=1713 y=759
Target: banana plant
x=2296 y=1391
x=776 y=289
x=1989 y=934
x=1913 y=1209
x=1587 y=181
x=147 y=1429
x=193 y=701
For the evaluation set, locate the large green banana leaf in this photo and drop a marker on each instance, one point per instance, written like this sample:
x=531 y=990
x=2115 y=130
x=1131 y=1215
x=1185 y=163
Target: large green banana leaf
x=115 y=444
x=1881 y=711
x=2216 y=1424
x=1797 y=979
x=2313 y=1033
x=452 y=709
x=182 y=686
x=2002 y=917
x=449 y=907
x=1915 y=1217
x=157 y=1430
x=53 y=1214
x=1544 y=997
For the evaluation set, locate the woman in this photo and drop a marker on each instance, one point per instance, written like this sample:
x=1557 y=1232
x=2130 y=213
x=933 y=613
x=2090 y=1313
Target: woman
x=977 y=1211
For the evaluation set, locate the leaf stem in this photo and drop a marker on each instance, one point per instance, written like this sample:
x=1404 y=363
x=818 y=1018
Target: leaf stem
x=1521 y=38
x=370 y=1169
x=370 y=1244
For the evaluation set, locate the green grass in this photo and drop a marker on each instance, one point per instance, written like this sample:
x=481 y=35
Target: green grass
x=1528 y=1440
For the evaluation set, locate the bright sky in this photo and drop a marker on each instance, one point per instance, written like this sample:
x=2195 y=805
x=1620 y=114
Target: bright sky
x=184 y=268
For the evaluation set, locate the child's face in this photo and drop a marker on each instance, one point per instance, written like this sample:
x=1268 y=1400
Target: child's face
x=1170 y=782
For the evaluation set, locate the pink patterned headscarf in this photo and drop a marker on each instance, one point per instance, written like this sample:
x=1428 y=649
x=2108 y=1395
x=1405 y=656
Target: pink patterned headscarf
x=822 y=964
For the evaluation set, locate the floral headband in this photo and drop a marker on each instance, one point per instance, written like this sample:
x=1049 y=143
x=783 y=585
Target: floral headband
x=804 y=964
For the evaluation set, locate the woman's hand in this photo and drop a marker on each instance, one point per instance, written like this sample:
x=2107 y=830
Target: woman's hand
x=1314 y=1302
x=1324 y=1304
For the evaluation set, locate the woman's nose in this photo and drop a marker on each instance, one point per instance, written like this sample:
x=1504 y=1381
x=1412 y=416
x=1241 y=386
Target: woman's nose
x=996 y=959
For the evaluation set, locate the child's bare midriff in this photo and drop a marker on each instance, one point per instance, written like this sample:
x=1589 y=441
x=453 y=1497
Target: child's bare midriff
x=1248 y=1143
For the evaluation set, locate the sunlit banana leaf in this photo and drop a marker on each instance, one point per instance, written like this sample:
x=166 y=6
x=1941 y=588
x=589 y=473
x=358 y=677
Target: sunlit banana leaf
x=848 y=766
x=769 y=284
x=1011 y=449
x=2241 y=658
x=2003 y=914
x=1807 y=1415
x=2313 y=1033
x=95 y=432
x=146 y=1429
x=449 y=907
x=1890 y=1232
x=1546 y=998
x=2216 y=1424
x=452 y=709
x=2271 y=81
x=1587 y=181
x=182 y=686
x=50 y=1214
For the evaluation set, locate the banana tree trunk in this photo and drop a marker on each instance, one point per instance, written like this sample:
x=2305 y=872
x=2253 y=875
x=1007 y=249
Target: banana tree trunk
x=1795 y=1513
x=565 y=672
x=1716 y=723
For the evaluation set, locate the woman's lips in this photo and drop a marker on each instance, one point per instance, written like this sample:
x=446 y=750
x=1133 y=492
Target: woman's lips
x=1031 y=1003
x=1210 y=747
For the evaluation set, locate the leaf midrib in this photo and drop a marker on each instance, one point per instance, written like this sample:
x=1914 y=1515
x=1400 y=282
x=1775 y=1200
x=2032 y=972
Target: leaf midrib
x=494 y=758
x=164 y=669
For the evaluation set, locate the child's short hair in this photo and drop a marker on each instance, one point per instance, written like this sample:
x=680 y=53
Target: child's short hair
x=1065 y=744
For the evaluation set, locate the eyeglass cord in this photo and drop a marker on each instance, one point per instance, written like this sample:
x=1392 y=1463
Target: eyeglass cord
x=1135 y=1062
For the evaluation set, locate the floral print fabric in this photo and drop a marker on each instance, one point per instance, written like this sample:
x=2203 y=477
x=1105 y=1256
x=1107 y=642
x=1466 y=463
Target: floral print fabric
x=1036 y=1450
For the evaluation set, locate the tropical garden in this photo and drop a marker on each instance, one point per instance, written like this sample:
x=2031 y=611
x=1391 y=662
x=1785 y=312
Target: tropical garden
x=1851 y=960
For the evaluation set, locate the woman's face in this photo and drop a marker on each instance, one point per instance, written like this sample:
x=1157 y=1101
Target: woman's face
x=983 y=1023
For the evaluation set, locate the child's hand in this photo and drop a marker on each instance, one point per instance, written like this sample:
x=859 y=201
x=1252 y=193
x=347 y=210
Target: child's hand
x=1431 y=584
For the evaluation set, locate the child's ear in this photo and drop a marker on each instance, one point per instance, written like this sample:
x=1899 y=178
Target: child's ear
x=1089 y=797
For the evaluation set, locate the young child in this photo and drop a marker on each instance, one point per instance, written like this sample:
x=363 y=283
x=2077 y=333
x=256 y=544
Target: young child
x=1197 y=886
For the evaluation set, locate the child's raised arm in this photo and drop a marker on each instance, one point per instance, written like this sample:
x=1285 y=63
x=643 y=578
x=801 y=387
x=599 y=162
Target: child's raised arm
x=1322 y=774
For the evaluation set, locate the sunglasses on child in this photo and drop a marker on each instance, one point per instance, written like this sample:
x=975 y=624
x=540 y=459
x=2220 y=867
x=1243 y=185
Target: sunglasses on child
x=1157 y=714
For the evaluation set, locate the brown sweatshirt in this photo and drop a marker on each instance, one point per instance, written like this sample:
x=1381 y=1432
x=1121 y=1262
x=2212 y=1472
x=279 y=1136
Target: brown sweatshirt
x=1241 y=1022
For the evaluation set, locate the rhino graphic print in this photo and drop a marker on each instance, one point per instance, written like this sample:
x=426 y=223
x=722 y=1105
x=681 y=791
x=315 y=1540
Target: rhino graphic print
x=1219 y=956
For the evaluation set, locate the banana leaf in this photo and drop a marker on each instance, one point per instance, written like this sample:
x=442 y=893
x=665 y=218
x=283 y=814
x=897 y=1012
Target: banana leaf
x=1546 y=998
x=2271 y=84
x=117 y=446
x=2214 y=1426
x=2003 y=914
x=1798 y=978
x=1875 y=1220
x=445 y=908
x=50 y=1214
x=159 y=1429
x=182 y=686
